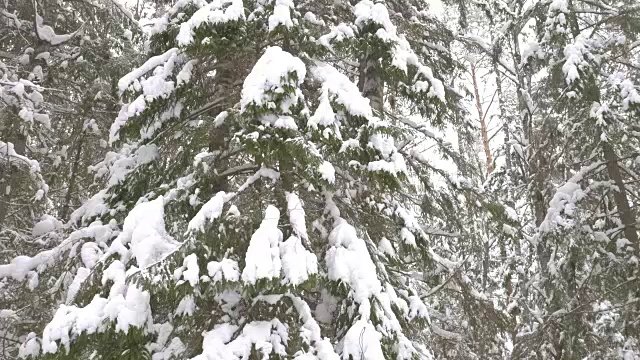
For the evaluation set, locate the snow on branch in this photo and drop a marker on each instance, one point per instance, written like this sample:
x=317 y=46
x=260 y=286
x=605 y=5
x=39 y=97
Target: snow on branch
x=7 y=151
x=21 y=266
x=212 y=13
x=13 y=17
x=125 y=12
x=158 y=85
x=149 y=65
x=564 y=200
x=269 y=78
x=46 y=33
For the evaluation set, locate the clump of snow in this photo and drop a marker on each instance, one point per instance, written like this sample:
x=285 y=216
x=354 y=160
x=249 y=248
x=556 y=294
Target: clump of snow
x=348 y=260
x=310 y=332
x=210 y=211
x=144 y=231
x=393 y=162
x=362 y=342
x=187 y=306
x=149 y=65
x=8 y=314
x=30 y=347
x=226 y=269
x=81 y=275
x=574 y=59
x=627 y=89
x=90 y=253
x=128 y=306
x=395 y=165
x=564 y=201
x=557 y=17
x=279 y=122
x=172 y=351
x=117 y=165
x=7 y=150
x=368 y=12
x=262 y=173
x=22 y=266
x=529 y=50
x=312 y=18
x=338 y=88
x=152 y=87
x=266 y=79
x=269 y=337
x=192 y=270
x=297 y=216
x=46 y=224
x=46 y=33
x=297 y=262
x=263 y=255
x=338 y=33
x=281 y=14
x=629 y=94
x=184 y=76
x=45 y=55
x=93 y=207
x=386 y=247
x=417 y=308
x=328 y=172
x=559 y=5
x=215 y=12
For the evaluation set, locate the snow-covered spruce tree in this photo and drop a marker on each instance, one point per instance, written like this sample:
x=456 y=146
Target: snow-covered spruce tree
x=573 y=161
x=474 y=309
x=589 y=230
x=54 y=59
x=256 y=205
x=461 y=313
x=26 y=139
x=24 y=123
x=487 y=30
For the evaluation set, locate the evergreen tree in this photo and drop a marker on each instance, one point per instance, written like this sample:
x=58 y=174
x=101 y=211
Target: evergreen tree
x=57 y=68
x=262 y=194
x=569 y=158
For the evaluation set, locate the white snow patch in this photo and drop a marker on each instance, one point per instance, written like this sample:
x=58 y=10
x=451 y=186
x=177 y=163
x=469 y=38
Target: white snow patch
x=212 y=13
x=267 y=76
x=348 y=260
x=263 y=255
x=144 y=230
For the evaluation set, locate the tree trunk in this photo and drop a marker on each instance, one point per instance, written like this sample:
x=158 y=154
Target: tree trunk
x=10 y=177
x=218 y=135
x=371 y=85
x=537 y=166
x=481 y=118
x=66 y=205
x=627 y=216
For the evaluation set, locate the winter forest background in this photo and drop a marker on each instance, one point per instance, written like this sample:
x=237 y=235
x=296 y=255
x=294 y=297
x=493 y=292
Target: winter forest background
x=319 y=179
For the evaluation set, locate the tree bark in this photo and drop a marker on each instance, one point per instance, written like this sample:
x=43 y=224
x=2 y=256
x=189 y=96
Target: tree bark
x=481 y=118
x=10 y=177
x=627 y=215
x=370 y=83
x=66 y=205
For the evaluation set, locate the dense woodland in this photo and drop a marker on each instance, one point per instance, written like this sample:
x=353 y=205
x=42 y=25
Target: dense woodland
x=327 y=179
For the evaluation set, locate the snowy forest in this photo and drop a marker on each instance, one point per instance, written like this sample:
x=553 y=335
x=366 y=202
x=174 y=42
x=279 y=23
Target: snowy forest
x=319 y=179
